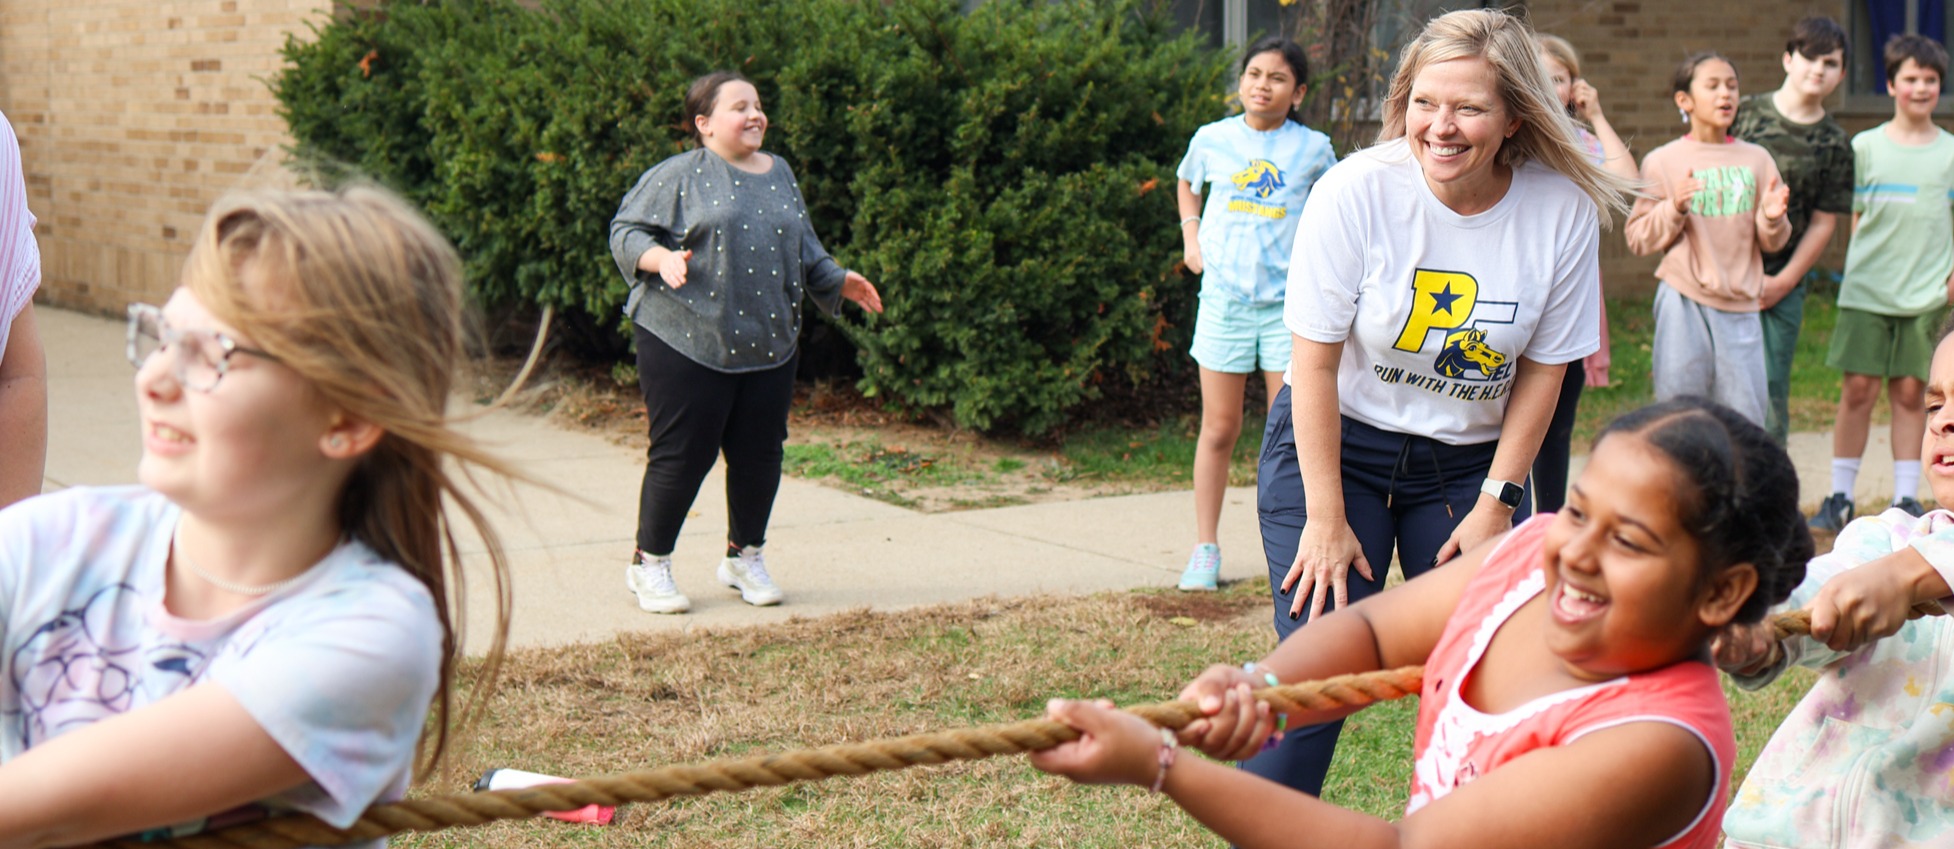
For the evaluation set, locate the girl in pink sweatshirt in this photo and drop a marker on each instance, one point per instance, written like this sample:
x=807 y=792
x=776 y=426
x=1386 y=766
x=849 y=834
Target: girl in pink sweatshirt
x=1714 y=205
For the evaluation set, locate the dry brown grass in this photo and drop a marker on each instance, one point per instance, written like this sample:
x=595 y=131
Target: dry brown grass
x=654 y=699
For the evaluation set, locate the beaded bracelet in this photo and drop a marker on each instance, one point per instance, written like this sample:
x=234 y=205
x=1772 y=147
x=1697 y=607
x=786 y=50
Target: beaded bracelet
x=1254 y=668
x=1169 y=744
x=1189 y=218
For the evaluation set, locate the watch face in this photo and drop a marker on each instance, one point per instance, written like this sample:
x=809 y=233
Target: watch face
x=1509 y=494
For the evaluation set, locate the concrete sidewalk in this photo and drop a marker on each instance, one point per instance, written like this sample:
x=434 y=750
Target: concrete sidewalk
x=829 y=550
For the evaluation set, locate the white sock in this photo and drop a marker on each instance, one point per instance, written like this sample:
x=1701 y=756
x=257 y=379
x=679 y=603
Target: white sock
x=1845 y=473
x=1906 y=478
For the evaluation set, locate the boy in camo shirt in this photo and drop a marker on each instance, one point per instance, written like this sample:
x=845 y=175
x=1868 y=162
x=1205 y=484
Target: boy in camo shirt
x=1814 y=156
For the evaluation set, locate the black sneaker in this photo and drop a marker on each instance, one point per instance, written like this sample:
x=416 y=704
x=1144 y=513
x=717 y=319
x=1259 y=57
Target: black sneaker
x=1833 y=513
x=1911 y=505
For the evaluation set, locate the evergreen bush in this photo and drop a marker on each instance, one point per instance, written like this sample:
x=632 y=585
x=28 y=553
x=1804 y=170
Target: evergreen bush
x=1005 y=176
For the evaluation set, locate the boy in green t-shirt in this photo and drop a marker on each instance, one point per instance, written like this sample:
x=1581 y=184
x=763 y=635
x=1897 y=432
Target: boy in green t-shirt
x=1814 y=155
x=1899 y=276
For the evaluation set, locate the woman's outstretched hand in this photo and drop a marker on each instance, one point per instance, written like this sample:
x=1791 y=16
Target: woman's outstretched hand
x=856 y=288
x=1323 y=559
x=1115 y=747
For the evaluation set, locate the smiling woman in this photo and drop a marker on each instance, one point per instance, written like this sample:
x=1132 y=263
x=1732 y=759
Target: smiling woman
x=1441 y=282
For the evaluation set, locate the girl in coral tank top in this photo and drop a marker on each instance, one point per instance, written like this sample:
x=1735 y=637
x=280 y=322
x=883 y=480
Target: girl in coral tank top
x=1568 y=700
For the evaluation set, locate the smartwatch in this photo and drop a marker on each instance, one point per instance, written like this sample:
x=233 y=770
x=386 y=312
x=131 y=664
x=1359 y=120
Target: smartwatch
x=1507 y=492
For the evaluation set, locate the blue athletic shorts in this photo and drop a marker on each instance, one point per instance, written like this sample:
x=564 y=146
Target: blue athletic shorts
x=1234 y=337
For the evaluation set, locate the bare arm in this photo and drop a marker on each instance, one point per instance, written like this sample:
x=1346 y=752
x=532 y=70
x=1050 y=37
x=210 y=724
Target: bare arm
x=1614 y=154
x=1536 y=391
x=1328 y=548
x=1189 y=204
x=23 y=410
x=128 y=773
x=1811 y=245
x=1631 y=785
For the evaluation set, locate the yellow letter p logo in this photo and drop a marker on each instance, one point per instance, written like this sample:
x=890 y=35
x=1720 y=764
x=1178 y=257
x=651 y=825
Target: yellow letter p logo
x=1441 y=301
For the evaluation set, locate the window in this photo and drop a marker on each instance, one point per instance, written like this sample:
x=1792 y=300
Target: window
x=1872 y=23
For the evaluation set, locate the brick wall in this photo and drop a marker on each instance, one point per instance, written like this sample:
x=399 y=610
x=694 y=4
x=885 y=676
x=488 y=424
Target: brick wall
x=1629 y=49
x=133 y=116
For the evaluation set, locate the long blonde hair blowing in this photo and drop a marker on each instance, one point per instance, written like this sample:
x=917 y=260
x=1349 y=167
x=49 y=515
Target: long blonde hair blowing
x=361 y=296
x=1546 y=132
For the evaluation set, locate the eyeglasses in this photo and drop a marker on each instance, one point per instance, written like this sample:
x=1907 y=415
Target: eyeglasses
x=202 y=356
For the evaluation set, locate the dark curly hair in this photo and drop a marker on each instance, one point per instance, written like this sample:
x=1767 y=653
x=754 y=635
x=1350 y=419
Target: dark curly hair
x=1738 y=496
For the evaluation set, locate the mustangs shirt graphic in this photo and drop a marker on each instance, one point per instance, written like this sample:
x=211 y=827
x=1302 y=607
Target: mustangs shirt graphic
x=1434 y=309
x=1253 y=185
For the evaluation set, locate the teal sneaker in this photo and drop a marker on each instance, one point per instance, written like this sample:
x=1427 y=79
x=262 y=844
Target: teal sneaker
x=1203 y=568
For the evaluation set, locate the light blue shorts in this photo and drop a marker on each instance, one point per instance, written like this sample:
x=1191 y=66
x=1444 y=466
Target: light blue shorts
x=1233 y=337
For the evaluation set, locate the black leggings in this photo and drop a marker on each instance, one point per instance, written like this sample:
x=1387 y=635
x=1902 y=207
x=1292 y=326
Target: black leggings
x=1550 y=465
x=694 y=413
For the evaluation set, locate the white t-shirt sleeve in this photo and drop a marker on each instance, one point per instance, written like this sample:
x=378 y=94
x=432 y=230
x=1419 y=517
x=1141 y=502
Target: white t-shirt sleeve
x=1570 y=321
x=344 y=688
x=1326 y=267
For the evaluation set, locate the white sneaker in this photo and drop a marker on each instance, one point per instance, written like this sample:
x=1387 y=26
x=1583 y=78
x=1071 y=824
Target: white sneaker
x=651 y=579
x=748 y=574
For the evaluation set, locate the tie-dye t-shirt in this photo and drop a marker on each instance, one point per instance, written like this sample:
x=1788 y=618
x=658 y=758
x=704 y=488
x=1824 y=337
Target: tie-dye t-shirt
x=339 y=667
x=1867 y=758
x=1253 y=184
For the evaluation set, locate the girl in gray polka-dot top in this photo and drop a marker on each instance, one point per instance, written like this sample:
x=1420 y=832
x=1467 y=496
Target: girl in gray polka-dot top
x=717 y=248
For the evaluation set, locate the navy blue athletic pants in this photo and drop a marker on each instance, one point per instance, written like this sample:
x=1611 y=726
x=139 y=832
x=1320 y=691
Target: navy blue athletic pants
x=1396 y=491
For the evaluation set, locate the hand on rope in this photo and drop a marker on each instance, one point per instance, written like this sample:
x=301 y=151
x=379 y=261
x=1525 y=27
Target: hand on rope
x=436 y=813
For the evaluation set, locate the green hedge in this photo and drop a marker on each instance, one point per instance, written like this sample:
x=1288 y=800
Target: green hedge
x=1006 y=176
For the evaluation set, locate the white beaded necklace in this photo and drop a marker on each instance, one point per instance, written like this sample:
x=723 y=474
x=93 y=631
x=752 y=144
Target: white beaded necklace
x=176 y=551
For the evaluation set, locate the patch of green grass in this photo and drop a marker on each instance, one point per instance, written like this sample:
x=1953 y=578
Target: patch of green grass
x=875 y=470
x=1162 y=455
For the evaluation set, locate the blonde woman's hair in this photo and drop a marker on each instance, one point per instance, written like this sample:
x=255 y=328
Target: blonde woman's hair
x=1561 y=51
x=361 y=296
x=1546 y=133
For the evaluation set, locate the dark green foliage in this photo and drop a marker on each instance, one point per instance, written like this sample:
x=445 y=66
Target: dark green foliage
x=1006 y=177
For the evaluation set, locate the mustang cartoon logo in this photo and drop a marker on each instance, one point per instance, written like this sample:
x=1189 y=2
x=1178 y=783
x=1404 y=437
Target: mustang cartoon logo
x=1466 y=350
x=1261 y=177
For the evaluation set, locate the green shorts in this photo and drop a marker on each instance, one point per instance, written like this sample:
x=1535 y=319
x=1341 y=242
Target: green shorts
x=1884 y=345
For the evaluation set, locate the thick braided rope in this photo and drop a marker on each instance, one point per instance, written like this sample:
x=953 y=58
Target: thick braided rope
x=735 y=774
x=1797 y=623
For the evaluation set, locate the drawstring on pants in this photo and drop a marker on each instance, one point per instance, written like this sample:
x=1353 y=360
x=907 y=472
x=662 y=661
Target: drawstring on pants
x=1404 y=452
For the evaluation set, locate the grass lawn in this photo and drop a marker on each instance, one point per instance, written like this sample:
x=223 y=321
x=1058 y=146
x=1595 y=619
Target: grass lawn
x=655 y=699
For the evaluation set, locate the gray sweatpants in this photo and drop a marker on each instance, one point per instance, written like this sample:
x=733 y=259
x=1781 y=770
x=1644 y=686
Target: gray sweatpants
x=1705 y=351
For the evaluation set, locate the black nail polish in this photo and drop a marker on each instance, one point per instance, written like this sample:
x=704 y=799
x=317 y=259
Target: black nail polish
x=1295 y=614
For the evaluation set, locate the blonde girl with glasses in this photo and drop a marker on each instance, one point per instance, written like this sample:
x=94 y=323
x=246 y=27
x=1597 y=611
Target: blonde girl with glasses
x=269 y=611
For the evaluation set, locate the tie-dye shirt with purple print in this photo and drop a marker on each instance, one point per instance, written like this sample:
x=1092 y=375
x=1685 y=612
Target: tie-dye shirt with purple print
x=339 y=666
x=1867 y=758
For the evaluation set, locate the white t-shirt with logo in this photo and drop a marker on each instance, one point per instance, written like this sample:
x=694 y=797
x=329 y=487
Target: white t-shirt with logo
x=1434 y=308
x=339 y=666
